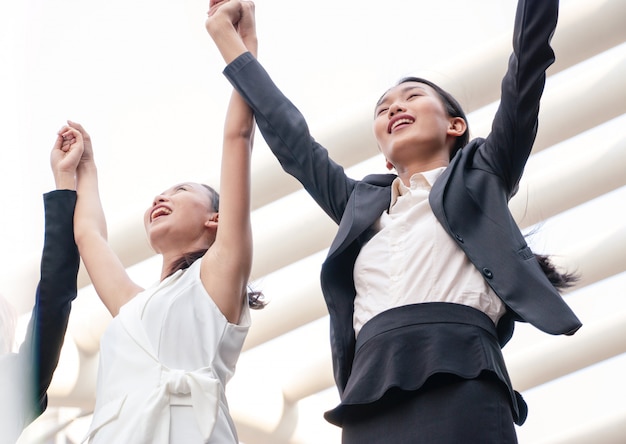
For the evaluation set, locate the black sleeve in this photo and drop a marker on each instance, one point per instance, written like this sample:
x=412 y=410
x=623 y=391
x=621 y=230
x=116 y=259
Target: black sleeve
x=57 y=289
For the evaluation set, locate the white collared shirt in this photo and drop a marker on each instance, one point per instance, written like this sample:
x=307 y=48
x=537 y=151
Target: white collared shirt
x=411 y=259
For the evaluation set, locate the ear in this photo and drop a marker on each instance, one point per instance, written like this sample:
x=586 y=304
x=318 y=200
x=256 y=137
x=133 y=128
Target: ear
x=457 y=127
x=212 y=221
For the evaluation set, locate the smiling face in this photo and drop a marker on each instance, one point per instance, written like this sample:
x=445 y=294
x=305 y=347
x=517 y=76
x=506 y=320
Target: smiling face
x=181 y=217
x=412 y=125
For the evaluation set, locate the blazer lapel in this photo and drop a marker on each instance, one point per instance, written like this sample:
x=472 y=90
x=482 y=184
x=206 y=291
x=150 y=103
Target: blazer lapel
x=370 y=198
x=440 y=188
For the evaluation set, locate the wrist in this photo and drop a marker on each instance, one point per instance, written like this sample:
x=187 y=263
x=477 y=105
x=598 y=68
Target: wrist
x=65 y=180
x=86 y=164
x=228 y=42
x=218 y=25
x=252 y=44
x=86 y=168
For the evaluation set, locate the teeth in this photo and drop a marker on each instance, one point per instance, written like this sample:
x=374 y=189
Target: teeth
x=162 y=211
x=400 y=122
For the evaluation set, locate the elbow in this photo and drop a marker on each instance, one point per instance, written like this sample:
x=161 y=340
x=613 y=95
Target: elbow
x=80 y=237
x=85 y=236
x=239 y=135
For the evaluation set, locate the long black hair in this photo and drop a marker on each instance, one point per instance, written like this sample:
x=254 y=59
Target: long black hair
x=561 y=280
x=256 y=299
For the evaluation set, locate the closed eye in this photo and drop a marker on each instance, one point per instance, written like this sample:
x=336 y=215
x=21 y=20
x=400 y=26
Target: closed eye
x=381 y=111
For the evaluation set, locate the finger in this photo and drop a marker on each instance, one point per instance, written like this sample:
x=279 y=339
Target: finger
x=67 y=144
x=58 y=143
x=76 y=126
x=247 y=13
x=214 y=5
x=71 y=133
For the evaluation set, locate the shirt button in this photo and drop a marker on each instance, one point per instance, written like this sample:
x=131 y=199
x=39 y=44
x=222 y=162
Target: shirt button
x=487 y=273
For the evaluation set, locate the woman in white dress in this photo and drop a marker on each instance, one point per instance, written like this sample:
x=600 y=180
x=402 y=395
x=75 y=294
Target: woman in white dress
x=171 y=348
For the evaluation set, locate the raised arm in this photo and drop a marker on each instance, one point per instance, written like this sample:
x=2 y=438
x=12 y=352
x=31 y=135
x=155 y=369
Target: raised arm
x=227 y=264
x=283 y=126
x=514 y=128
x=107 y=273
x=57 y=284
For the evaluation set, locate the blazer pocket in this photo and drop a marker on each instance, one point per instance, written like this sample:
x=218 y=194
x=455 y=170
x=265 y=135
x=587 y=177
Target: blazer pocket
x=105 y=414
x=525 y=253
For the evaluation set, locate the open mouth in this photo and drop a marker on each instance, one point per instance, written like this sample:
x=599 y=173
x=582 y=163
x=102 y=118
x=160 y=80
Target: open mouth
x=158 y=212
x=399 y=122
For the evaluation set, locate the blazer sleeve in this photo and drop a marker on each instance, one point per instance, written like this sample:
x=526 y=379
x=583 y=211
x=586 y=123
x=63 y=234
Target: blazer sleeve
x=514 y=128
x=287 y=134
x=56 y=290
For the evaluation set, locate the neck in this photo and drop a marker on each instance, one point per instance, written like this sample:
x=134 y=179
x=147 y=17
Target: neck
x=166 y=267
x=177 y=260
x=405 y=172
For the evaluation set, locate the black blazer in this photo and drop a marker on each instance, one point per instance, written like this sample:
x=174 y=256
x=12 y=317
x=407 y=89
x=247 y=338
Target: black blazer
x=28 y=373
x=470 y=199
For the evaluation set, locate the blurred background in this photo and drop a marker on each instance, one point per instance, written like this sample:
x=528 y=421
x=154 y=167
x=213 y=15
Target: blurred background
x=144 y=79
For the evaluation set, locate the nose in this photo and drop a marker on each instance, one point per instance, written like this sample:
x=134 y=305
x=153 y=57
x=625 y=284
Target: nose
x=159 y=198
x=395 y=108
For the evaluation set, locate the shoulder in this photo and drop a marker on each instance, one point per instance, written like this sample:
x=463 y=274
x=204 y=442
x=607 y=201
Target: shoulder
x=381 y=180
x=474 y=155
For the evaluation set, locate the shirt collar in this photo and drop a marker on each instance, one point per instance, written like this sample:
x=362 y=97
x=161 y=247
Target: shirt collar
x=425 y=179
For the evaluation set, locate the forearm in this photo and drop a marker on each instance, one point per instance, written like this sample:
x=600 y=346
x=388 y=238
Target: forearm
x=287 y=134
x=235 y=177
x=515 y=124
x=60 y=256
x=89 y=217
x=64 y=180
x=56 y=290
x=239 y=124
x=228 y=42
x=106 y=271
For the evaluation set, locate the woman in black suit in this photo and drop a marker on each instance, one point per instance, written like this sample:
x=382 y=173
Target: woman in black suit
x=26 y=375
x=428 y=271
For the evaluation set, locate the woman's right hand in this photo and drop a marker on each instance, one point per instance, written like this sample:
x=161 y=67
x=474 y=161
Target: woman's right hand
x=88 y=151
x=247 y=26
x=222 y=14
x=230 y=24
x=65 y=157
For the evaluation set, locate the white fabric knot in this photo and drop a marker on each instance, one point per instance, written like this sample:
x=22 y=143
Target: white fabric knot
x=203 y=390
x=177 y=382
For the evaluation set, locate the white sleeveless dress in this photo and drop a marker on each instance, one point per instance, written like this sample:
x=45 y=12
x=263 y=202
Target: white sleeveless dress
x=164 y=362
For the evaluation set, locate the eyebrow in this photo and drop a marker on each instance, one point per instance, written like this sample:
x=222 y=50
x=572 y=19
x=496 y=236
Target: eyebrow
x=188 y=184
x=406 y=89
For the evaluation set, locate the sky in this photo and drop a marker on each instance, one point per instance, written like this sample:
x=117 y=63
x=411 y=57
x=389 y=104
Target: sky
x=145 y=80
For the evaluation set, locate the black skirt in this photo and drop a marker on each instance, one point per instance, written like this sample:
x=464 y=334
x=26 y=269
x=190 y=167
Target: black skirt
x=447 y=409
x=425 y=372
